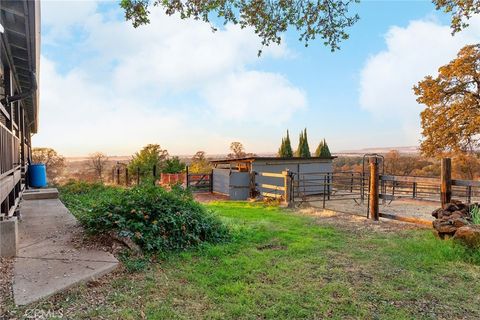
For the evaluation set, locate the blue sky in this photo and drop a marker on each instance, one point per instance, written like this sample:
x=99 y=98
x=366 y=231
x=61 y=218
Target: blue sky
x=106 y=86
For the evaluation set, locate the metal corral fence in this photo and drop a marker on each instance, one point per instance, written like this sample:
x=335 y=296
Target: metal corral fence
x=329 y=186
x=426 y=188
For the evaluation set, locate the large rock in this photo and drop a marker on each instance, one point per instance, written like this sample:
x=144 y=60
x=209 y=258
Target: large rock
x=468 y=235
x=450 y=218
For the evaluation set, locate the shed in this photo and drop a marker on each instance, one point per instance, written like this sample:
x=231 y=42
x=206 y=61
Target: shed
x=234 y=177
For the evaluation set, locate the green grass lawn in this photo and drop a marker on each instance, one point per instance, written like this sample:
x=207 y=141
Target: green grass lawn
x=281 y=265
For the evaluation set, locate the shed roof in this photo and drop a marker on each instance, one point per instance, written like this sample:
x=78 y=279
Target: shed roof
x=252 y=159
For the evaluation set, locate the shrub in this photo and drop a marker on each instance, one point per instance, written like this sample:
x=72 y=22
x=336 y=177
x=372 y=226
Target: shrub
x=475 y=213
x=154 y=218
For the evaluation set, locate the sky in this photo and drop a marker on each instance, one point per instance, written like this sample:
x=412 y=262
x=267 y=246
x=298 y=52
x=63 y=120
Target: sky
x=106 y=86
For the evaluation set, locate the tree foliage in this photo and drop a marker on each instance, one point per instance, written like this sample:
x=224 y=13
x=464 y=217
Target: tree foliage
x=54 y=163
x=151 y=155
x=461 y=11
x=451 y=119
x=327 y=19
x=173 y=165
x=285 y=150
x=238 y=151
x=303 y=150
x=200 y=163
x=323 y=150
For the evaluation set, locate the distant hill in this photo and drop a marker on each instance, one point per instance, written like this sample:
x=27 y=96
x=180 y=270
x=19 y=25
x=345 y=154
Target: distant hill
x=411 y=150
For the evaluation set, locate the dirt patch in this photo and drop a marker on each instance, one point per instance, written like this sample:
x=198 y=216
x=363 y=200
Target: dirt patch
x=356 y=223
x=411 y=208
x=206 y=197
x=272 y=246
x=6 y=276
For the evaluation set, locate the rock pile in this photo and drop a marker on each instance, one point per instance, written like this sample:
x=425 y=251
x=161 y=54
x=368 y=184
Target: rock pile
x=455 y=221
x=450 y=218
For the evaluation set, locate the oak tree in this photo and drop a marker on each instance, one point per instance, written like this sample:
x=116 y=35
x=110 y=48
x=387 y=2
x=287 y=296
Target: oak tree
x=327 y=19
x=461 y=11
x=199 y=163
x=98 y=162
x=451 y=119
x=54 y=163
x=144 y=161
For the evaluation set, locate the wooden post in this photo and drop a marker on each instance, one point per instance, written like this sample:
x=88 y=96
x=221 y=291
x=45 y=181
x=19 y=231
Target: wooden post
x=253 y=185
x=211 y=181
x=351 y=183
x=446 y=181
x=126 y=176
x=118 y=175
x=187 y=181
x=287 y=182
x=374 y=210
x=154 y=173
x=414 y=195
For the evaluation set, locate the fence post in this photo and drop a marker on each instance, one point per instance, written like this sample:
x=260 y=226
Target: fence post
x=446 y=181
x=211 y=181
x=414 y=192
x=154 y=173
x=187 y=181
x=287 y=182
x=374 y=210
x=118 y=175
x=351 y=183
x=253 y=184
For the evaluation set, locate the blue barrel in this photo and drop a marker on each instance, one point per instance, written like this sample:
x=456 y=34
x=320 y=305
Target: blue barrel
x=38 y=175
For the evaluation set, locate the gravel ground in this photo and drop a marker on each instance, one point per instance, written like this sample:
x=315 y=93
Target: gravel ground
x=402 y=207
x=6 y=274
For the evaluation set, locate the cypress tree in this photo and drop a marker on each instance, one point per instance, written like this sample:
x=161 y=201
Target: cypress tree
x=323 y=150
x=288 y=152
x=281 y=150
x=318 y=152
x=285 y=150
x=300 y=144
x=303 y=150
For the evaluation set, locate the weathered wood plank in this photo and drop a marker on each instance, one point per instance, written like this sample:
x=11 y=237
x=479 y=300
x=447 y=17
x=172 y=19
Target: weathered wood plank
x=465 y=183
x=272 y=195
x=271 y=186
x=406 y=219
x=270 y=174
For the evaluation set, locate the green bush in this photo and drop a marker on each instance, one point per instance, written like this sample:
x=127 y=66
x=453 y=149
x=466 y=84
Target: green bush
x=475 y=213
x=154 y=218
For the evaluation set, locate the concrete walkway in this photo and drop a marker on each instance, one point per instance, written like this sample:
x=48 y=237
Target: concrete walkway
x=47 y=261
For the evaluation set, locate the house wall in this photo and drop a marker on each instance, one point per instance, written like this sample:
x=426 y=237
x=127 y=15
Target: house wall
x=17 y=118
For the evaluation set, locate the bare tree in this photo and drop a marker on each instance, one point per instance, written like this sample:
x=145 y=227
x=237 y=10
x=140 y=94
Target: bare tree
x=98 y=161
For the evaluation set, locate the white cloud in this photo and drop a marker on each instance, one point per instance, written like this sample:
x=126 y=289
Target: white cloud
x=255 y=95
x=130 y=83
x=412 y=52
x=59 y=17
